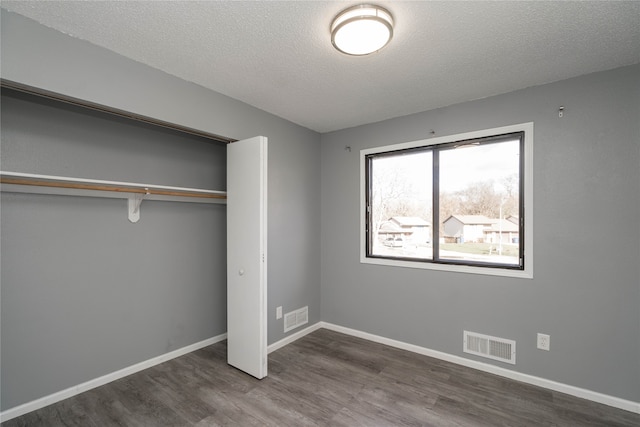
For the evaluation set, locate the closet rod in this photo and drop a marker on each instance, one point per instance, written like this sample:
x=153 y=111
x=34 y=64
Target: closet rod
x=109 y=110
x=113 y=186
x=149 y=190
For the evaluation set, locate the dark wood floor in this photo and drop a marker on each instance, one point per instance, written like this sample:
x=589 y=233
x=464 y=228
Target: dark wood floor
x=323 y=379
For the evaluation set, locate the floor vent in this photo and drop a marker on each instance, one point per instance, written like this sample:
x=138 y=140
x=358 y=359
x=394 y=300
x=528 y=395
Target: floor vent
x=296 y=318
x=490 y=347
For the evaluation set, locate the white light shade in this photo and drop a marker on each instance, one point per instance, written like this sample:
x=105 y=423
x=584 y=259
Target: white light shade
x=362 y=29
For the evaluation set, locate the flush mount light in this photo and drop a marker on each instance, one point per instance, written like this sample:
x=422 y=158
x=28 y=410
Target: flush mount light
x=362 y=29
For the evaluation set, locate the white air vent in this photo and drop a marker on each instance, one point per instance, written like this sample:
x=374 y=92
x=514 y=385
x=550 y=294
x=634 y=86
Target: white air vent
x=490 y=347
x=296 y=318
x=289 y=321
x=302 y=316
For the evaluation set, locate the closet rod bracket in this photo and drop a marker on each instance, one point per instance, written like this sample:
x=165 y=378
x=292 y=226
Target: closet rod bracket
x=134 y=203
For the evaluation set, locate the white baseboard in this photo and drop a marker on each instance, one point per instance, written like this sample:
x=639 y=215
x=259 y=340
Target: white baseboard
x=605 y=399
x=80 y=388
x=293 y=337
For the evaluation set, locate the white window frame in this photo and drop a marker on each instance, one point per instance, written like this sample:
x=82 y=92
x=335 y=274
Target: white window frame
x=527 y=272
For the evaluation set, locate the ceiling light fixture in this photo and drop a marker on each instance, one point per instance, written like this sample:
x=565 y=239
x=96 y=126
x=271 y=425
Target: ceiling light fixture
x=362 y=29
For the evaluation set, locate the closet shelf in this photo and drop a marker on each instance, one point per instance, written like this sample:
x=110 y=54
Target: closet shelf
x=17 y=182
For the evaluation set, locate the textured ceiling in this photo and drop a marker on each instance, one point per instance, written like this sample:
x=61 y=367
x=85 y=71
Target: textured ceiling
x=277 y=55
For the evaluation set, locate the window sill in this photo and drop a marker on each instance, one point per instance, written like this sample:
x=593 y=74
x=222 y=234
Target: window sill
x=527 y=273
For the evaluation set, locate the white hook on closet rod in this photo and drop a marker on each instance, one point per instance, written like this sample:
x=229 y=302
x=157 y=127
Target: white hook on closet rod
x=134 y=203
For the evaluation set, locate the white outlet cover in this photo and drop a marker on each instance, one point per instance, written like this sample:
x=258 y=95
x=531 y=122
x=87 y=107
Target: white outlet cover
x=279 y=312
x=544 y=342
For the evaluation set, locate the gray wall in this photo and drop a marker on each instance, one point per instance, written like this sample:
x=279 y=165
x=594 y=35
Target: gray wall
x=84 y=292
x=586 y=287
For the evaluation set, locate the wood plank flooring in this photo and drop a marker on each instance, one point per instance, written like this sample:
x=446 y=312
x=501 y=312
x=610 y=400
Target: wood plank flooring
x=323 y=379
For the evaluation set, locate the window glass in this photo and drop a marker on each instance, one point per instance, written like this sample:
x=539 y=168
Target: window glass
x=479 y=203
x=401 y=205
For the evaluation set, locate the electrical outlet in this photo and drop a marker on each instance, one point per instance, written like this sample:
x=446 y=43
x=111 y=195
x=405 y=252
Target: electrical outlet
x=544 y=342
x=279 y=312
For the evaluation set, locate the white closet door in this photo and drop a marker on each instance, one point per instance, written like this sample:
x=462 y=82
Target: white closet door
x=247 y=255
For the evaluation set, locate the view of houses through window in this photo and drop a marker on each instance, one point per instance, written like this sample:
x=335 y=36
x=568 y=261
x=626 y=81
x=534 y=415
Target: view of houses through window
x=470 y=189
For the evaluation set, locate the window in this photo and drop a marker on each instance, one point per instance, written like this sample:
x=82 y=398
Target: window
x=456 y=203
